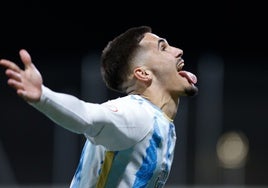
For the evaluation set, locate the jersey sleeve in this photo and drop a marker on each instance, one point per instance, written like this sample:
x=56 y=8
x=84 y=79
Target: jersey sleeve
x=115 y=124
x=126 y=122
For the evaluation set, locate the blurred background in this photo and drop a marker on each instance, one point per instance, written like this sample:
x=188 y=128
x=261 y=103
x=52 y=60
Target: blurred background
x=222 y=132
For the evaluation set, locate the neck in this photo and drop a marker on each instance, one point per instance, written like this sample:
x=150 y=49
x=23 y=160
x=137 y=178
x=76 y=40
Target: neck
x=166 y=103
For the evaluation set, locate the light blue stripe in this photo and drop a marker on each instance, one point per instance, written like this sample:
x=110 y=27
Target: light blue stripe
x=77 y=175
x=149 y=162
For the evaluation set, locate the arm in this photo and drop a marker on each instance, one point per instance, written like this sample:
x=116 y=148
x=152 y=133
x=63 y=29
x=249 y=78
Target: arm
x=70 y=112
x=28 y=84
x=116 y=124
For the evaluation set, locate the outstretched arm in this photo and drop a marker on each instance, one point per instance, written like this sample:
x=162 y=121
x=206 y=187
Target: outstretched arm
x=28 y=81
x=63 y=109
x=66 y=110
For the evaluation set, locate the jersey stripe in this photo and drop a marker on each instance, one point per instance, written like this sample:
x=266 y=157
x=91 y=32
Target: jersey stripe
x=149 y=162
x=109 y=156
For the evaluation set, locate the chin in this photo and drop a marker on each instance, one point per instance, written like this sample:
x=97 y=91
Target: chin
x=191 y=91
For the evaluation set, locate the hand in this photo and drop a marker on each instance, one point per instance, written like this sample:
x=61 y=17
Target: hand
x=27 y=82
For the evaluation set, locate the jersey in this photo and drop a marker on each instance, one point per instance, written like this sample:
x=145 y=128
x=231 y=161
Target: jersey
x=130 y=141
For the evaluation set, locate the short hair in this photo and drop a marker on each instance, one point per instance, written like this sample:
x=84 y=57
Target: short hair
x=117 y=55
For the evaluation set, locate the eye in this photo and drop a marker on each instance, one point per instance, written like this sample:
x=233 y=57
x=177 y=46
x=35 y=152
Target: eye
x=162 y=45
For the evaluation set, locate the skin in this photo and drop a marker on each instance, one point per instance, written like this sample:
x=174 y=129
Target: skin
x=154 y=71
x=26 y=82
x=158 y=74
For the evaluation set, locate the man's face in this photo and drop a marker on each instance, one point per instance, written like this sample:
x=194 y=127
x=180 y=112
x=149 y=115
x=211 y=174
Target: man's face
x=166 y=64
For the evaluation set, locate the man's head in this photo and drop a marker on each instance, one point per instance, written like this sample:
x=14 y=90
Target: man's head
x=117 y=55
x=140 y=62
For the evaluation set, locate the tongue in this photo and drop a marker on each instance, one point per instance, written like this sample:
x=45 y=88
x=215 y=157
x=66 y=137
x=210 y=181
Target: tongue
x=189 y=76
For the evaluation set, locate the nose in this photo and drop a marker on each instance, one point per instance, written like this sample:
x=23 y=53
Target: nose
x=177 y=52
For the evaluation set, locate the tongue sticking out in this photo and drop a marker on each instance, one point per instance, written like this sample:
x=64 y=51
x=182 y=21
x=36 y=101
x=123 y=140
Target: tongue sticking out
x=189 y=76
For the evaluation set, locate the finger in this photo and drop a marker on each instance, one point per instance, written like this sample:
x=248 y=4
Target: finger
x=15 y=84
x=13 y=74
x=22 y=93
x=25 y=57
x=10 y=65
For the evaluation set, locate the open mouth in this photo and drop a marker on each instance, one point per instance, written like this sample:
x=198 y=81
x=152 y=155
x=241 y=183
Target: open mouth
x=186 y=74
x=180 y=65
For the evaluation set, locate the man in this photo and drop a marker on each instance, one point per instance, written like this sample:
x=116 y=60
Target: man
x=131 y=139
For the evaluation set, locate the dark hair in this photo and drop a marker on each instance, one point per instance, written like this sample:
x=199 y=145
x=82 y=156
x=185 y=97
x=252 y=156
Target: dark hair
x=117 y=55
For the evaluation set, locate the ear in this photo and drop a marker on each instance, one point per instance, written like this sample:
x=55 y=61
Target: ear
x=142 y=74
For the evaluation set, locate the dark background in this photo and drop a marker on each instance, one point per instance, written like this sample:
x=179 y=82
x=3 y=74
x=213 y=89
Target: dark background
x=59 y=35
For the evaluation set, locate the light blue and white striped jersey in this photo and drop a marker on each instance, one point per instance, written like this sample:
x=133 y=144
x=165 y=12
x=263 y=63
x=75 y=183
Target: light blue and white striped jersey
x=130 y=142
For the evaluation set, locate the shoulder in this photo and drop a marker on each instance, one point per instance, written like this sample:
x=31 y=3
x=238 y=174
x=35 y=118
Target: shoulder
x=129 y=101
x=130 y=121
x=126 y=103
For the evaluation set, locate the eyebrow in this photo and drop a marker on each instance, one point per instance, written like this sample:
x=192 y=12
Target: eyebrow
x=161 y=40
